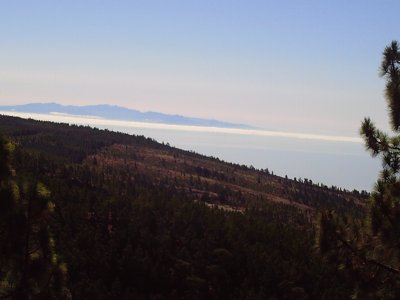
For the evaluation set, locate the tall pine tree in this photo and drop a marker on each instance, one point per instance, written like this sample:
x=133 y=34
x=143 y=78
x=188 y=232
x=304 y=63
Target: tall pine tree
x=368 y=251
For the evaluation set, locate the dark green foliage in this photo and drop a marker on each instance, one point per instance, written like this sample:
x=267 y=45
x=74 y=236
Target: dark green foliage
x=369 y=251
x=385 y=200
x=390 y=70
x=27 y=257
x=168 y=247
x=5 y=153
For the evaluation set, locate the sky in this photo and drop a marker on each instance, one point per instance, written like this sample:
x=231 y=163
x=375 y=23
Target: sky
x=304 y=66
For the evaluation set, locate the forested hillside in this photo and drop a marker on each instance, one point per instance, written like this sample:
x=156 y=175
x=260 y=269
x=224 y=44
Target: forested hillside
x=136 y=219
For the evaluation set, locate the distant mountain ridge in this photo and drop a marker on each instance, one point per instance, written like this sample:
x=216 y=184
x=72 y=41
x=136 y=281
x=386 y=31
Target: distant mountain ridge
x=114 y=112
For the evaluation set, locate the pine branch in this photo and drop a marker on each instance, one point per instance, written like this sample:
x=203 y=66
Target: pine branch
x=365 y=259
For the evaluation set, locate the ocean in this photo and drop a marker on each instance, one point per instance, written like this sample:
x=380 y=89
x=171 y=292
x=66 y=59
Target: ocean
x=330 y=160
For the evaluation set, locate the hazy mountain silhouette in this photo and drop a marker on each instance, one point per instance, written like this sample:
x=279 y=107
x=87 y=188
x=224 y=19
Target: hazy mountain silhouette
x=118 y=113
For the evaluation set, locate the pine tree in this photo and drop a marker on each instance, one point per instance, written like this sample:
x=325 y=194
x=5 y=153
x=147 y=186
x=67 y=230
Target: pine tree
x=368 y=251
x=29 y=266
x=385 y=200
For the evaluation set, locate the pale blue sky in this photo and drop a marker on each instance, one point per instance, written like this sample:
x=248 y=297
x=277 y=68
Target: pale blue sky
x=286 y=65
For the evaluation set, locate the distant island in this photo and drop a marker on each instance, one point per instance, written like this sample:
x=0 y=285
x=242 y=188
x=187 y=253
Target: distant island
x=113 y=112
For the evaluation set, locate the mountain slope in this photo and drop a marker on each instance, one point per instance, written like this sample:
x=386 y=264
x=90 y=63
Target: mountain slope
x=136 y=219
x=206 y=178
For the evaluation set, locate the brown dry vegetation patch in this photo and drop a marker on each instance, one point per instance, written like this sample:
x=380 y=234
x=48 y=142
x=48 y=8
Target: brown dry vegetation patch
x=207 y=179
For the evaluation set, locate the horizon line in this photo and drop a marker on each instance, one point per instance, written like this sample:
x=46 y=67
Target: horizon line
x=93 y=120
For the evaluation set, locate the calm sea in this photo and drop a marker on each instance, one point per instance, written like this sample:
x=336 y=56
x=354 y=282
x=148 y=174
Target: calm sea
x=331 y=160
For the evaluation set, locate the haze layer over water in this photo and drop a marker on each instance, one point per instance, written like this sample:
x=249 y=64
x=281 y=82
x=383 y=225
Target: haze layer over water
x=331 y=160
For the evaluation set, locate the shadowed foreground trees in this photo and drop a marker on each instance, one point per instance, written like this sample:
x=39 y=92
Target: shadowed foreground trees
x=29 y=266
x=369 y=249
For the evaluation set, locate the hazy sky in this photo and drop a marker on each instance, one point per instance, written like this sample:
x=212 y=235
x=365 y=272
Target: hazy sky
x=286 y=65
